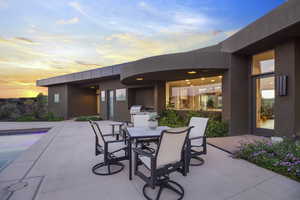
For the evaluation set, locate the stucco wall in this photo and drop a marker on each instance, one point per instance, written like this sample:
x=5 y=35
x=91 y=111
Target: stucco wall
x=121 y=110
x=287 y=108
x=236 y=99
x=59 y=109
x=81 y=101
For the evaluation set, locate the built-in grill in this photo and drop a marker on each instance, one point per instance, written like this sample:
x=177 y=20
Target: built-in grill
x=135 y=109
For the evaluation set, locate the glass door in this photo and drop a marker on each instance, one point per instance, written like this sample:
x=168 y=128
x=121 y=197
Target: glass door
x=264 y=100
x=110 y=104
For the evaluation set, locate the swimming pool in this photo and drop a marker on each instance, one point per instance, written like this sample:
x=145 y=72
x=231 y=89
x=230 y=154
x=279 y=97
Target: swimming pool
x=11 y=146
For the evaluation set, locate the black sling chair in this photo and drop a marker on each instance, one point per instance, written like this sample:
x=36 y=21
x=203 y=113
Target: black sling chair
x=111 y=164
x=171 y=155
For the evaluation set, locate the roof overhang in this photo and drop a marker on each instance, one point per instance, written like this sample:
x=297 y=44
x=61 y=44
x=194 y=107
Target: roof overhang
x=90 y=75
x=280 y=24
x=170 y=66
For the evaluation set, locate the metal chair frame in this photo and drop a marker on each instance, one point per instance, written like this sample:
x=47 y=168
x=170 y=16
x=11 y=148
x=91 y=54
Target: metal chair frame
x=109 y=157
x=160 y=176
x=196 y=154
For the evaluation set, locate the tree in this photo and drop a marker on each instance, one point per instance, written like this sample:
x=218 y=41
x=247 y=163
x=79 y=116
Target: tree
x=40 y=107
x=9 y=111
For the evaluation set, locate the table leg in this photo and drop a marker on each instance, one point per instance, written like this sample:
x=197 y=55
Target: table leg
x=117 y=135
x=120 y=131
x=130 y=158
x=113 y=130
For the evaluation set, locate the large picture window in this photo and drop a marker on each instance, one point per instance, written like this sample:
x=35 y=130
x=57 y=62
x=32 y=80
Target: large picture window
x=203 y=94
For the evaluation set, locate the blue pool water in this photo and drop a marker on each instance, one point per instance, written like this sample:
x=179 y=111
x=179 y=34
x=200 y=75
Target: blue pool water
x=11 y=146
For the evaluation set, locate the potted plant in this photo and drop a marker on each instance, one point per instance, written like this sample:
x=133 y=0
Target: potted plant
x=153 y=121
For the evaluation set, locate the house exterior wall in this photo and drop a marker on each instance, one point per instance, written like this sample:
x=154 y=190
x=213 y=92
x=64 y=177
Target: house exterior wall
x=121 y=108
x=297 y=86
x=81 y=101
x=279 y=30
x=59 y=109
x=287 y=108
x=142 y=96
x=235 y=93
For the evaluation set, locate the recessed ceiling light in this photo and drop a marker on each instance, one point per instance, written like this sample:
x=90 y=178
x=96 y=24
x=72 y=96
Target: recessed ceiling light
x=139 y=78
x=192 y=72
x=213 y=80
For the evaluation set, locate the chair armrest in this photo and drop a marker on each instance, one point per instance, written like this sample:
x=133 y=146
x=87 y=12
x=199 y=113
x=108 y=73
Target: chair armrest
x=143 y=153
x=114 y=141
x=198 y=137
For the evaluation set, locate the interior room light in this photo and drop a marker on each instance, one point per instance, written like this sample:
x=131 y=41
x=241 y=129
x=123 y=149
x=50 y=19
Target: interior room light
x=192 y=72
x=139 y=78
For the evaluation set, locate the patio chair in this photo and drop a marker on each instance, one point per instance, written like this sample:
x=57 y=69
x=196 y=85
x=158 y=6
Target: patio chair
x=169 y=157
x=109 y=148
x=198 y=139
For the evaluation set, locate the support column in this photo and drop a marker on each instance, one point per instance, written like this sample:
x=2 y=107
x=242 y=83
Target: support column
x=236 y=98
x=159 y=96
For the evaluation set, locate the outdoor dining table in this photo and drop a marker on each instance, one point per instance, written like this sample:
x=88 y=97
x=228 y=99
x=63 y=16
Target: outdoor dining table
x=140 y=133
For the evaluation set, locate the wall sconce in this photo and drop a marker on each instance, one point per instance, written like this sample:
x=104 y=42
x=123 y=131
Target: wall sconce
x=282 y=89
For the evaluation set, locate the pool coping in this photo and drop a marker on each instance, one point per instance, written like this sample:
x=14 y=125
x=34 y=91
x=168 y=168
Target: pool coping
x=24 y=131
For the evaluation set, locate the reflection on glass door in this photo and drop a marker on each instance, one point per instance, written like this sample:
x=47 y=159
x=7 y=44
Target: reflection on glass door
x=111 y=104
x=265 y=99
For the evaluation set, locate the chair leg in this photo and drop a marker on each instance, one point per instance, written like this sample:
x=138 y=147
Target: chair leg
x=165 y=184
x=200 y=161
x=105 y=169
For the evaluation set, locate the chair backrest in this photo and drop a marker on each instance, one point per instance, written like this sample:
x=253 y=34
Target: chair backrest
x=199 y=125
x=98 y=134
x=140 y=120
x=172 y=142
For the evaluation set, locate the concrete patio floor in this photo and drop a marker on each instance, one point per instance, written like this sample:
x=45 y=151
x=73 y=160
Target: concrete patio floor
x=59 y=165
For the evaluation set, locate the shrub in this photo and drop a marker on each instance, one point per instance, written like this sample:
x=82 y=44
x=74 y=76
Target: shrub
x=87 y=118
x=9 y=111
x=217 y=129
x=283 y=158
x=171 y=118
x=26 y=118
x=51 y=117
x=216 y=116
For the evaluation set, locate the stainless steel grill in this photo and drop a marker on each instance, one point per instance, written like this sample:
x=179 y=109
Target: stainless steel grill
x=135 y=109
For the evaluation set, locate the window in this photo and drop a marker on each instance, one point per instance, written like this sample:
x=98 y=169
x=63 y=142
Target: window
x=263 y=66
x=56 y=98
x=263 y=63
x=195 y=94
x=103 y=96
x=121 y=94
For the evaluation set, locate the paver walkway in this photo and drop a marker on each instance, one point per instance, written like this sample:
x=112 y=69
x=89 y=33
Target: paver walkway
x=59 y=167
x=232 y=143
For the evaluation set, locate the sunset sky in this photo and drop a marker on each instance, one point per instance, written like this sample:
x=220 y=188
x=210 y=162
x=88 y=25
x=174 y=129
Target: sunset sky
x=45 y=38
